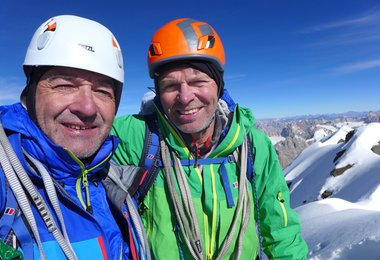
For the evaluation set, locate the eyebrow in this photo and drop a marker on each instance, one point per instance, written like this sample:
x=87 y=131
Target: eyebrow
x=168 y=80
x=66 y=76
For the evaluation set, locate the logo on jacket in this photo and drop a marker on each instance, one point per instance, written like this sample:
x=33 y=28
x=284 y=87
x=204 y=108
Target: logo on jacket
x=9 y=211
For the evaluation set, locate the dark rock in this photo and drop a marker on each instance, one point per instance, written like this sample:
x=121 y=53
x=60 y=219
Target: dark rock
x=338 y=155
x=326 y=194
x=376 y=148
x=340 y=171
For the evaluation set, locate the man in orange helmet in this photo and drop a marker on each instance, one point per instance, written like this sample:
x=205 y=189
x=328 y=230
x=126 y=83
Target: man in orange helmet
x=216 y=189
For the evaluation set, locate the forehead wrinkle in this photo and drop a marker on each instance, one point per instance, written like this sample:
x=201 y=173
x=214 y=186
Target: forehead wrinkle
x=78 y=78
x=196 y=74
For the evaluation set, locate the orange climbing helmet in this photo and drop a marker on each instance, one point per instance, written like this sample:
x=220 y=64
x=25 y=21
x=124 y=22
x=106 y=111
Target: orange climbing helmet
x=185 y=39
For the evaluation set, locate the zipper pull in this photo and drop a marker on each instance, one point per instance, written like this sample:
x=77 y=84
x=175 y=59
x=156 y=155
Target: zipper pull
x=85 y=185
x=279 y=195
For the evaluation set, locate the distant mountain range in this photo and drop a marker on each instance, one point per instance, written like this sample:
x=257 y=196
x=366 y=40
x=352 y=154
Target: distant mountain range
x=292 y=135
x=349 y=114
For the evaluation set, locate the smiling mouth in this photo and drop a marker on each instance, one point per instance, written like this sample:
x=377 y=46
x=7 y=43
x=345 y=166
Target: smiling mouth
x=77 y=127
x=188 y=112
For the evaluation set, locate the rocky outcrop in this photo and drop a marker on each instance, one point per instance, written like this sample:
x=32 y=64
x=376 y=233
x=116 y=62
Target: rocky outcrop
x=289 y=149
x=301 y=132
x=372 y=117
x=340 y=171
x=376 y=148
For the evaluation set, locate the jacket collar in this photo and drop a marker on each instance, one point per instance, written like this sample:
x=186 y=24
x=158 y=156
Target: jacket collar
x=58 y=161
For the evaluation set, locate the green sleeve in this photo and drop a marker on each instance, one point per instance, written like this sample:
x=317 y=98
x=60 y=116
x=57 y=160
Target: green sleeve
x=130 y=130
x=279 y=224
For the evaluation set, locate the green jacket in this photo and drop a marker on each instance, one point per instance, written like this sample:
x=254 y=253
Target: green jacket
x=280 y=226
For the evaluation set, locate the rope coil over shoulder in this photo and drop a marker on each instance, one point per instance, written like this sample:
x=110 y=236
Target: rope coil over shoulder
x=185 y=211
x=152 y=161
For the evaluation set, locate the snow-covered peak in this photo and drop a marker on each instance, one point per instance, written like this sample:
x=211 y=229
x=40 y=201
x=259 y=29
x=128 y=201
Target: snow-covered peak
x=336 y=165
x=335 y=188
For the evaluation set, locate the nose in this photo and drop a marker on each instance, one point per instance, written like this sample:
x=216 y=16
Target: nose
x=83 y=104
x=185 y=93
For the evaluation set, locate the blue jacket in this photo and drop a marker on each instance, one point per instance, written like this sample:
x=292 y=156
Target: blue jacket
x=97 y=235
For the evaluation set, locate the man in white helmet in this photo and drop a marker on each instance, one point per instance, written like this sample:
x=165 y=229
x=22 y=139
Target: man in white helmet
x=55 y=199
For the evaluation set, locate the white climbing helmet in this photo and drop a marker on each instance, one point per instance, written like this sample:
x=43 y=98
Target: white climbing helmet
x=76 y=42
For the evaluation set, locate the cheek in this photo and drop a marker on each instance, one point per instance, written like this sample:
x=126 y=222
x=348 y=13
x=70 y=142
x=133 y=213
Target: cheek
x=48 y=99
x=209 y=97
x=43 y=107
x=110 y=117
x=107 y=111
x=166 y=101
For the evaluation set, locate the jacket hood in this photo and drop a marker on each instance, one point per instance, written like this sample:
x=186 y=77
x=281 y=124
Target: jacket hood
x=59 y=162
x=247 y=118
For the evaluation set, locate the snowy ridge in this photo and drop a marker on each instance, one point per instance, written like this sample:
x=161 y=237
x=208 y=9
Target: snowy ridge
x=335 y=188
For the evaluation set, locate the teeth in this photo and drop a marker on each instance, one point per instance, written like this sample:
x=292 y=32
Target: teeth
x=191 y=111
x=77 y=127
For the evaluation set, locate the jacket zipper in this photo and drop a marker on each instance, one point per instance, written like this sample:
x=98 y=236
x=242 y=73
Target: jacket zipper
x=282 y=204
x=83 y=177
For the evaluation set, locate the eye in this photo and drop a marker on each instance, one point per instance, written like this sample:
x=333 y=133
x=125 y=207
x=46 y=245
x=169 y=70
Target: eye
x=61 y=84
x=64 y=86
x=169 y=87
x=106 y=92
x=198 y=83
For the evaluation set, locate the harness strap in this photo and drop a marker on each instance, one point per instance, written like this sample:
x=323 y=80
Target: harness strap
x=21 y=176
x=24 y=237
x=117 y=174
x=63 y=240
x=137 y=224
x=9 y=215
x=205 y=161
x=226 y=185
x=149 y=159
x=6 y=156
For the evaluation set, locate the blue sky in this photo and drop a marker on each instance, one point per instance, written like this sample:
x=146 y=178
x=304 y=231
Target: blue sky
x=283 y=58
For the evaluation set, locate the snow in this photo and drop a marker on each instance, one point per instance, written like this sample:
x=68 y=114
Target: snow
x=350 y=124
x=319 y=134
x=346 y=224
x=328 y=127
x=276 y=139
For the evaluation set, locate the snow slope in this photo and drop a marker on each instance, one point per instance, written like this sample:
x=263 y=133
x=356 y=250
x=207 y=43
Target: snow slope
x=346 y=224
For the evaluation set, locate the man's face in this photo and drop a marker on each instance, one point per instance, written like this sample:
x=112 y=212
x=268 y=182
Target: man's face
x=75 y=109
x=189 y=98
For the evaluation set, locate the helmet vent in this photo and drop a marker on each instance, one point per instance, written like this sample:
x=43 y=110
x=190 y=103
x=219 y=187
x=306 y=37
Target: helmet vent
x=44 y=39
x=206 y=42
x=155 y=49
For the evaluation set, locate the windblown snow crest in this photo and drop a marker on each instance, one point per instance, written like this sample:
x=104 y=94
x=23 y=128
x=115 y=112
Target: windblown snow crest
x=335 y=188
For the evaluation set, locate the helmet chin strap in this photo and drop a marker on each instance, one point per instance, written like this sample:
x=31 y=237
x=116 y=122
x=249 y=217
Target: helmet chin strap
x=28 y=96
